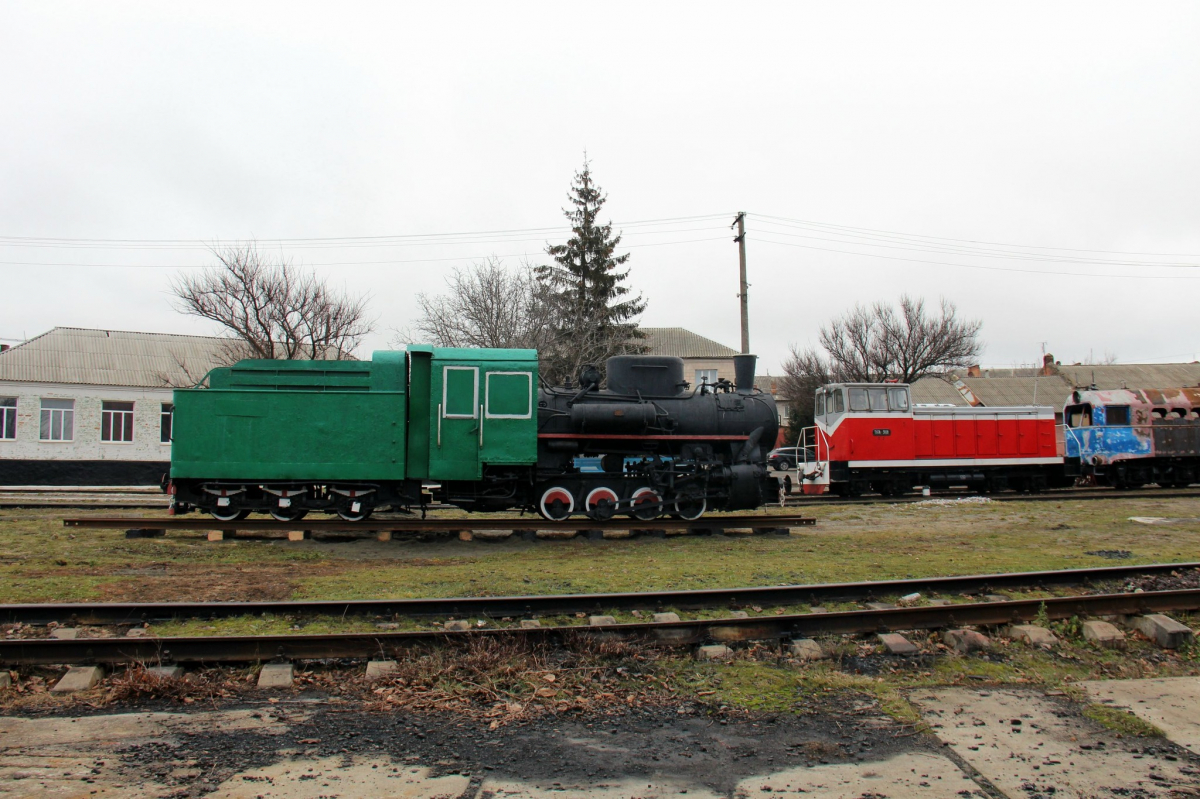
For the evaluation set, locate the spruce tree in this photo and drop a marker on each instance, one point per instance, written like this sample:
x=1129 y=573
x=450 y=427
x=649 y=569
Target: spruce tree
x=593 y=312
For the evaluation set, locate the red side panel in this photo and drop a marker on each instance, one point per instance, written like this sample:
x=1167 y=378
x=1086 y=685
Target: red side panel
x=986 y=444
x=1007 y=438
x=943 y=438
x=964 y=438
x=923 y=438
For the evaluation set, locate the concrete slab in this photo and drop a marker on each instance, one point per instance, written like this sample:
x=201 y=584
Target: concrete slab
x=665 y=618
x=276 y=675
x=739 y=614
x=601 y=621
x=897 y=644
x=166 y=672
x=1163 y=630
x=64 y=633
x=530 y=624
x=807 y=649
x=1168 y=703
x=1033 y=635
x=216 y=535
x=714 y=652
x=332 y=776
x=457 y=625
x=135 y=632
x=1029 y=744
x=909 y=775
x=964 y=641
x=1103 y=634
x=381 y=669
x=492 y=535
x=299 y=535
x=78 y=678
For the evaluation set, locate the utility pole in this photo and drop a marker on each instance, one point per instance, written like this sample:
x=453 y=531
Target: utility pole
x=740 y=223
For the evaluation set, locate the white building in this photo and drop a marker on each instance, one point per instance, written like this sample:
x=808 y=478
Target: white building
x=93 y=407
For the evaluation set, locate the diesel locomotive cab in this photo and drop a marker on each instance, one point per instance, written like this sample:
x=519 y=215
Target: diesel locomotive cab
x=649 y=443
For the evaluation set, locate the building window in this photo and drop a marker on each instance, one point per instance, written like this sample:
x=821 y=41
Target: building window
x=58 y=420
x=165 y=422
x=116 y=422
x=708 y=376
x=8 y=418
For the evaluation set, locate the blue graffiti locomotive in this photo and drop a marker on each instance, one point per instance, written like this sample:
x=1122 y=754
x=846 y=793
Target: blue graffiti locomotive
x=1130 y=437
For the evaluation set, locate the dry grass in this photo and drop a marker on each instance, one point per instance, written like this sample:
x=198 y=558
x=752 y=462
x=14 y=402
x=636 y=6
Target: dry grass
x=503 y=680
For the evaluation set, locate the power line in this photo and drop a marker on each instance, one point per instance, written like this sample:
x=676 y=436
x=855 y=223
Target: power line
x=332 y=241
x=975 y=266
x=975 y=252
x=973 y=241
x=346 y=263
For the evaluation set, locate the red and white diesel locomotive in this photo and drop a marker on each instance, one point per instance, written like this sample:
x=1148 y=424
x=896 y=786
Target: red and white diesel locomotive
x=870 y=437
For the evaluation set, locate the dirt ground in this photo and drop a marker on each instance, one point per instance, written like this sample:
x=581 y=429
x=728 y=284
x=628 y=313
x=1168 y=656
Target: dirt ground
x=842 y=746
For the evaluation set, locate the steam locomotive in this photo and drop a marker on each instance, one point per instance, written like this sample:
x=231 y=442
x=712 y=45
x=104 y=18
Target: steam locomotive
x=467 y=427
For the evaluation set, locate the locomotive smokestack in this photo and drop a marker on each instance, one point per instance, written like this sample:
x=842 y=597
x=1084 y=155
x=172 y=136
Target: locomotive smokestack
x=743 y=372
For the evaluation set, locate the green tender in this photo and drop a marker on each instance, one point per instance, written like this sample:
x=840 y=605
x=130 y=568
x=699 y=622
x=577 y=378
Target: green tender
x=294 y=420
x=431 y=413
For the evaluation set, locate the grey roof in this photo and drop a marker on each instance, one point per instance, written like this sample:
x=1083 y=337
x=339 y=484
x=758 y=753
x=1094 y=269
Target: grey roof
x=1132 y=375
x=999 y=391
x=935 y=391
x=113 y=358
x=770 y=384
x=683 y=343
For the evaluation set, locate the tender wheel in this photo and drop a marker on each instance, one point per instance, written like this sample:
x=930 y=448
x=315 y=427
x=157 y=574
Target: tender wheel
x=288 y=514
x=228 y=514
x=646 y=504
x=690 y=505
x=557 y=504
x=601 y=503
x=363 y=512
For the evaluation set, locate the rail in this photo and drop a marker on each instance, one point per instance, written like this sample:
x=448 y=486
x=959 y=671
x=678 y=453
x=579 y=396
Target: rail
x=714 y=522
x=118 y=613
x=234 y=649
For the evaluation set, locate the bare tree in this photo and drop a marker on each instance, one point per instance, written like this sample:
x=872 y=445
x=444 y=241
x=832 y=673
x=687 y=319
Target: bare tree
x=876 y=343
x=486 y=305
x=272 y=309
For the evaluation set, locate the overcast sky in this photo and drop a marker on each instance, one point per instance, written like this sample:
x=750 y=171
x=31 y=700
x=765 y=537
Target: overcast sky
x=1045 y=158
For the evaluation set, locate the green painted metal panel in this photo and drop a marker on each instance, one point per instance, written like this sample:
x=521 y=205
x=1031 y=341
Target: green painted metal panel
x=510 y=413
x=295 y=420
x=454 y=400
x=483 y=410
x=418 y=411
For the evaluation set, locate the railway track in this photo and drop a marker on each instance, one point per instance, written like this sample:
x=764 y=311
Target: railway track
x=82 y=498
x=766 y=523
x=234 y=649
x=1064 y=495
x=560 y=604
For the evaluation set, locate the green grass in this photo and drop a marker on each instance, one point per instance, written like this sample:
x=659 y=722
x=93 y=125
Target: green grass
x=40 y=560
x=1121 y=721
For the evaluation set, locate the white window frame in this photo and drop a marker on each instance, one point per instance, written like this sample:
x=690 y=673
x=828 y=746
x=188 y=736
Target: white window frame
x=170 y=425
x=114 y=413
x=61 y=413
x=474 y=414
x=487 y=397
x=701 y=380
x=9 y=432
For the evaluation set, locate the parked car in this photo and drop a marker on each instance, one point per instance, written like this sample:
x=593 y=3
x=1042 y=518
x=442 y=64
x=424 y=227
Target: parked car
x=784 y=458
